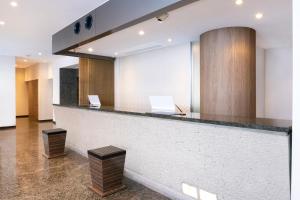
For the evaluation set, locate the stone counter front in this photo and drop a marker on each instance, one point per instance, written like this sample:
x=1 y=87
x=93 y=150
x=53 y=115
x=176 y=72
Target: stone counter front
x=171 y=155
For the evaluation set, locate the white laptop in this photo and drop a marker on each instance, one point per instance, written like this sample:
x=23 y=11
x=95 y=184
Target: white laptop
x=162 y=105
x=94 y=101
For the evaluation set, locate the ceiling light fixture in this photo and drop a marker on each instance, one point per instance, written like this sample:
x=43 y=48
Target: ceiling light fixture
x=90 y=49
x=14 y=3
x=39 y=53
x=239 y=2
x=170 y=40
x=2 y=23
x=141 y=32
x=259 y=15
x=116 y=53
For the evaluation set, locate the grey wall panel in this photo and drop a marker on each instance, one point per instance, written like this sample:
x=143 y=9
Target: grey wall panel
x=67 y=38
x=69 y=86
x=86 y=34
x=118 y=13
x=112 y=16
x=63 y=39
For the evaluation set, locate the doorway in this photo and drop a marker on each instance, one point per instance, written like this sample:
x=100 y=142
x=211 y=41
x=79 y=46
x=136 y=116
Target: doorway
x=33 y=101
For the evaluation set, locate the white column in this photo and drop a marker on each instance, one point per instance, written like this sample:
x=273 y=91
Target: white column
x=7 y=91
x=296 y=102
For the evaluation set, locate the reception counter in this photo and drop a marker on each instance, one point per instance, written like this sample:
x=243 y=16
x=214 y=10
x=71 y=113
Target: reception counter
x=182 y=156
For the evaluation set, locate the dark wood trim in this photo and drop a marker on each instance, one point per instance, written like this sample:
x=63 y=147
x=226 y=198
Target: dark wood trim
x=22 y=116
x=54 y=122
x=45 y=120
x=84 y=55
x=7 y=127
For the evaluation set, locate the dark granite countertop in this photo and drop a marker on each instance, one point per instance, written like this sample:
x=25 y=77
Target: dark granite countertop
x=284 y=126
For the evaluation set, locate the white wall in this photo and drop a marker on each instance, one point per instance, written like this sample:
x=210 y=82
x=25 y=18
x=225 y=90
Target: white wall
x=296 y=103
x=45 y=94
x=55 y=65
x=40 y=72
x=7 y=91
x=161 y=72
x=278 y=83
x=196 y=77
x=21 y=93
x=168 y=72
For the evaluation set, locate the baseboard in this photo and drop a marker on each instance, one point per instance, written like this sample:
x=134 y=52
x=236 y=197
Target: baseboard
x=157 y=187
x=7 y=127
x=22 y=116
x=45 y=120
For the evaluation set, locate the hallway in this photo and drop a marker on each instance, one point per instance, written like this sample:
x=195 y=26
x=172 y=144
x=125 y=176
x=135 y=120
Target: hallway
x=25 y=174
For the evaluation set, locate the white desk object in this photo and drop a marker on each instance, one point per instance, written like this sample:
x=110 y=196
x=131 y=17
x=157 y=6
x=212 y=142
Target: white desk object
x=94 y=101
x=162 y=104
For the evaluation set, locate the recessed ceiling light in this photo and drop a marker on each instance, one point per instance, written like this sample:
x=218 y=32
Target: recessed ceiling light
x=239 y=2
x=2 y=23
x=116 y=53
x=170 y=40
x=14 y=3
x=39 y=53
x=141 y=32
x=259 y=15
x=90 y=49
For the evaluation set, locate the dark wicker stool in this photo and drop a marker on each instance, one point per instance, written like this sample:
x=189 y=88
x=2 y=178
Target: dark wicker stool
x=54 y=142
x=107 y=167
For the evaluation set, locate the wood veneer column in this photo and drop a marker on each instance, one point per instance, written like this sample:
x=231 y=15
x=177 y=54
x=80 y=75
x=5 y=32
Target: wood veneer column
x=228 y=72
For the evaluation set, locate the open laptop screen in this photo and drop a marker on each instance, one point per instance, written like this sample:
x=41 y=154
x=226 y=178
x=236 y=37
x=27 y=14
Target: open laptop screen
x=162 y=104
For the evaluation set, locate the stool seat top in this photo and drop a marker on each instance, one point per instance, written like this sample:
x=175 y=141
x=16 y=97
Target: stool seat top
x=107 y=152
x=54 y=131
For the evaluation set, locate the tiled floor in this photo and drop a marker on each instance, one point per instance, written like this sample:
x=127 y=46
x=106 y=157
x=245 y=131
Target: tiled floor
x=26 y=175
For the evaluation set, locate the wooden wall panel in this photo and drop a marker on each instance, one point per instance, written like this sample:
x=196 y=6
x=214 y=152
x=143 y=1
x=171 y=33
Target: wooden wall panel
x=33 y=99
x=96 y=77
x=228 y=72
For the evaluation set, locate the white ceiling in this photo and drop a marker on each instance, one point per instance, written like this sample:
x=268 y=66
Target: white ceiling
x=30 y=26
x=187 y=23
x=25 y=62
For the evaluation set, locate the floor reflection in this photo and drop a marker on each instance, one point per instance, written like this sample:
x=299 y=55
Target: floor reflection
x=25 y=174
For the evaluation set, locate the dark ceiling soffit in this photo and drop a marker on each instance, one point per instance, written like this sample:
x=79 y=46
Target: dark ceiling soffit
x=98 y=36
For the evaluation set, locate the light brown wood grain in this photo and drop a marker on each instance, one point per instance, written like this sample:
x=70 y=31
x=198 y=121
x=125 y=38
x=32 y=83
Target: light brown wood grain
x=33 y=102
x=96 y=77
x=228 y=72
